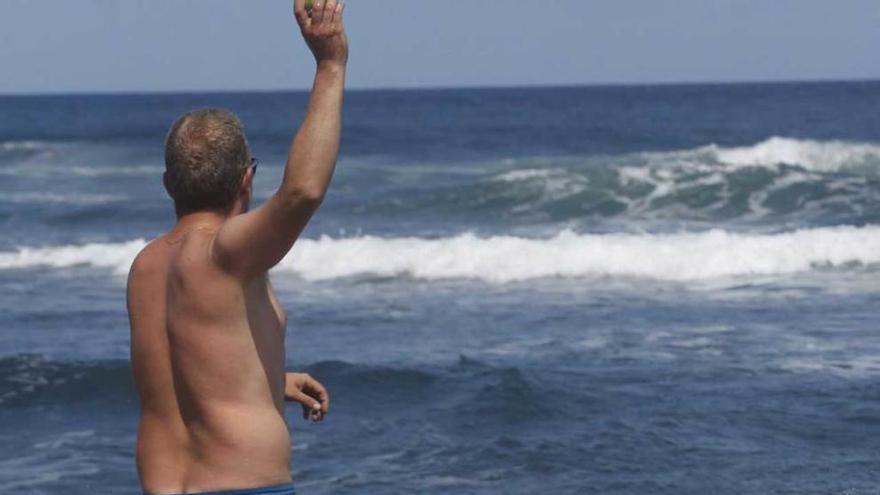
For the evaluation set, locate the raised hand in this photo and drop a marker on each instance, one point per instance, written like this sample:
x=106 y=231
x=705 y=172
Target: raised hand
x=321 y=24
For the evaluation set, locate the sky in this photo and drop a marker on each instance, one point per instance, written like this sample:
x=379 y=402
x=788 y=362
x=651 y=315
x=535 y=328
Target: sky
x=66 y=46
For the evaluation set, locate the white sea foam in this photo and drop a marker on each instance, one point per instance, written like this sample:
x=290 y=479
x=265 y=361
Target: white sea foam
x=40 y=170
x=672 y=257
x=117 y=256
x=818 y=156
x=530 y=173
x=117 y=170
x=674 y=172
x=667 y=257
x=551 y=183
x=812 y=155
x=24 y=146
x=62 y=198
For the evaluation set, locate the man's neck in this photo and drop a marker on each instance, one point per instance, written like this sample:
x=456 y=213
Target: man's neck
x=200 y=218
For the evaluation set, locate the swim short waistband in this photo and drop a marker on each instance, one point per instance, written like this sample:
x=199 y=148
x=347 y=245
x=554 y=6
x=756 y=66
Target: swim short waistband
x=285 y=489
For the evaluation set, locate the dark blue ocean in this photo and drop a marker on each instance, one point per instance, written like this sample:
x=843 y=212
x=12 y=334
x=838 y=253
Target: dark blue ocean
x=611 y=290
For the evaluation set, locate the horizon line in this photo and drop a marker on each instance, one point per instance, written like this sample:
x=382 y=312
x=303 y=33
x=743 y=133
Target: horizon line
x=368 y=89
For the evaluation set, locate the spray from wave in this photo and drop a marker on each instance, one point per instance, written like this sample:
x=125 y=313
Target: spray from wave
x=815 y=156
x=807 y=154
x=501 y=259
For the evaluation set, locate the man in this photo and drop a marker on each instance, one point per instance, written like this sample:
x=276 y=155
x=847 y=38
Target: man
x=207 y=332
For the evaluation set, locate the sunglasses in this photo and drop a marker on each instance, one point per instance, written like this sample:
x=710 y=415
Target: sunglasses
x=254 y=164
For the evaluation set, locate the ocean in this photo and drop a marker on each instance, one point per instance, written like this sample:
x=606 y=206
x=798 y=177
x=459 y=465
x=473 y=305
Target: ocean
x=618 y=290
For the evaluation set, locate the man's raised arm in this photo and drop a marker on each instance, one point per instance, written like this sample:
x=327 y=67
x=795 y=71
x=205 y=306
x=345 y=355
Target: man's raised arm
x=254 y=242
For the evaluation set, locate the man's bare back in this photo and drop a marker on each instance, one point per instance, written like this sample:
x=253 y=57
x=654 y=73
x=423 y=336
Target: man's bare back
x=207 y=331
x=208 y=357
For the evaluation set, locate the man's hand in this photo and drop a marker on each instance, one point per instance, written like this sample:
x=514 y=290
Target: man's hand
x=302 y=388
x=323 y=30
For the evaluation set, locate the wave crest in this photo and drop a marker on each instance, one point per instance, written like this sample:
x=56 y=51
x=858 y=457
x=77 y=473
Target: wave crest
x=812 y=182
x=666 y=257
x=500 y=259
x=808 y=154
x=117 y=256
x=816 y=156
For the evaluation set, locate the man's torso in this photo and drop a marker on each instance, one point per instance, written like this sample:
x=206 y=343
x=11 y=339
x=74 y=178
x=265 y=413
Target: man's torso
x=208 y=358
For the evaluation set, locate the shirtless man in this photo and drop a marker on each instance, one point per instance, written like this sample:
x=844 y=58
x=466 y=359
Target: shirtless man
x=207 y=332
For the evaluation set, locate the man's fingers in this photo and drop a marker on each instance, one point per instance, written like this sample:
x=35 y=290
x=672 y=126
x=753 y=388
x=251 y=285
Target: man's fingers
x=321 y=17
x=323 y=13
x=310 y=394
x=300 y=12
x=313 y=413
x=337 y=19
x=330 y=11
x=318 y=12
x=306 y=400
x=320 y=393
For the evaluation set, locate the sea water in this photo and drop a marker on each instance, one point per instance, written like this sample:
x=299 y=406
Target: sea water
x=648 y=289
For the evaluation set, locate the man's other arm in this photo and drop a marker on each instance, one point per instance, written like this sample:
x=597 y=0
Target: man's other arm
x=254 y=242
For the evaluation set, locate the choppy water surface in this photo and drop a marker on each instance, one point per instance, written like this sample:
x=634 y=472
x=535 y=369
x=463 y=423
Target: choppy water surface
x=574 y=290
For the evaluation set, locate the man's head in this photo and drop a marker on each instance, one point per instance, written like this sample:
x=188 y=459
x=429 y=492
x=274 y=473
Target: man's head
x=206 y=162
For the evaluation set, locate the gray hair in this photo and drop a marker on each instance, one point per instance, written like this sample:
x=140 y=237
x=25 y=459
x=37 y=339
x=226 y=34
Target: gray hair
x=206 y=154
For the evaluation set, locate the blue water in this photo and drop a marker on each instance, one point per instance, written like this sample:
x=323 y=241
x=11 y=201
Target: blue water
x=668 y=289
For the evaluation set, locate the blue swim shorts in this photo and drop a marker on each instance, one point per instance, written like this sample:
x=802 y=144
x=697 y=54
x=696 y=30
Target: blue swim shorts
x=285 y=489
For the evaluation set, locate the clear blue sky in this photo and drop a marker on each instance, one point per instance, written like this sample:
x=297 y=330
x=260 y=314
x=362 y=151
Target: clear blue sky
x=168 y=45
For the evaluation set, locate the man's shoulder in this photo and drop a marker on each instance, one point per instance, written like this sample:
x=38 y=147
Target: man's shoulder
x=188 y=254
x=148 y=259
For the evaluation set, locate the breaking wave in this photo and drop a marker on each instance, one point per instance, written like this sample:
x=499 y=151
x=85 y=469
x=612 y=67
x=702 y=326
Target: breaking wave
x=808 y=154
x=501 y=259
x=116 y=256
x=669 y=257
x=780 y=179
x=815 y=156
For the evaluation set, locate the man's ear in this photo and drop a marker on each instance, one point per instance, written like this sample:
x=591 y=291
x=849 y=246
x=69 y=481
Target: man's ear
x=167 y=183
x=247 y=181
